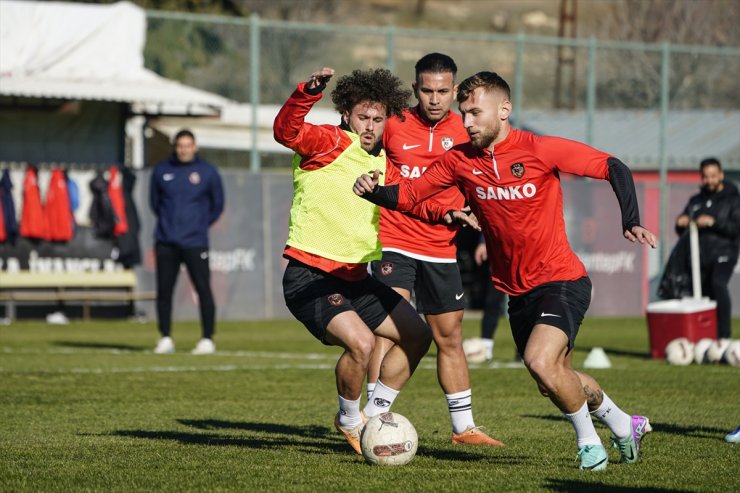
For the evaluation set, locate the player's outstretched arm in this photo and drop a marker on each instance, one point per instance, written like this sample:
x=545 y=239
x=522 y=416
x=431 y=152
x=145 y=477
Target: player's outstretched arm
x=638 y=234
x=463 y=217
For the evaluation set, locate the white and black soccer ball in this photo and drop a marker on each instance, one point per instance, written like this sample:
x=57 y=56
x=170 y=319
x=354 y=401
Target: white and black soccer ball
x=700 y=350
x=732 y=354
x=680 y=352
x=717 y=350
x=475 y=350
x=389 y=439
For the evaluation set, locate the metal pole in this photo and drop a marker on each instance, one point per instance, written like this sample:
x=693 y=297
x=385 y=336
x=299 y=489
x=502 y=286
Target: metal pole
x=591 y=92
x=254 y=82
x=390 y=46
x=665 y=66
x=518 y=77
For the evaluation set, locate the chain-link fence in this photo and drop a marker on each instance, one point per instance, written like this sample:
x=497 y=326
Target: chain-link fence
x=260 y=61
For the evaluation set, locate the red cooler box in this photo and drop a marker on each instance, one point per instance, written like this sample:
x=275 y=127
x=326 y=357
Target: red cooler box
x=691 y=318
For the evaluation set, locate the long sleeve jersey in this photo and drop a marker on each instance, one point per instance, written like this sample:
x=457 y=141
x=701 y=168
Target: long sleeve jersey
x=412 y=146
x=514 y=190
x=187 y=198
x=319 y=146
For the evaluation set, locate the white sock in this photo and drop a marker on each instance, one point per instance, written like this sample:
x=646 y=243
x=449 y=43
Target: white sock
x=370 y=388
x=617 y=420
x=380 y=401
x=585 y=431
x=349 y=412
x=460 y=405
x=488 y=346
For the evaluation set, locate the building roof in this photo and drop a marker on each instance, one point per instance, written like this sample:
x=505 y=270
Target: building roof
x=88 y=52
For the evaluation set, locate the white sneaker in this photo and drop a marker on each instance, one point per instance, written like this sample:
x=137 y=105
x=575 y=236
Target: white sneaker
x=204 y=346
x=165 y=346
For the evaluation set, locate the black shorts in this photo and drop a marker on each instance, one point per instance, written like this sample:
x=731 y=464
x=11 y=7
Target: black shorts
x=437 y=286
x=562 y=304
x=315 y=297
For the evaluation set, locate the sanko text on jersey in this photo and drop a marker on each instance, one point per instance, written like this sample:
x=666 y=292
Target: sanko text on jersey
x=519 y=192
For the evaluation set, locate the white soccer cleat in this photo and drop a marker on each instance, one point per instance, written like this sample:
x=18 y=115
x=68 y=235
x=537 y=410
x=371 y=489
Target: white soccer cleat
x=165 y=346
x=204 y=346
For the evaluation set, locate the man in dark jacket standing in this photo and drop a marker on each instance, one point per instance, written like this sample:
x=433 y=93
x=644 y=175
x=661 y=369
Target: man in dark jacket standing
x=716 y=211
x=186 y=195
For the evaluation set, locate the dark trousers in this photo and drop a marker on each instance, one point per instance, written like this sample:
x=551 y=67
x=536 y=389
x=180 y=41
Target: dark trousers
x=169 y=259
x=492 y=309
x=715 y=279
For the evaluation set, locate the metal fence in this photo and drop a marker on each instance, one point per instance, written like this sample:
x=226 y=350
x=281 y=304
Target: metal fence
x=259 y=61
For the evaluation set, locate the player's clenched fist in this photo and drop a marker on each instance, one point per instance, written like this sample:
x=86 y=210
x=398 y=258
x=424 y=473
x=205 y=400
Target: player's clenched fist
x=366 y=183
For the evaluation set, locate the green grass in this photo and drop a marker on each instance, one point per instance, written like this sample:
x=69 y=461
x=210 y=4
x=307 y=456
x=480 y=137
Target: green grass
x=88 y=407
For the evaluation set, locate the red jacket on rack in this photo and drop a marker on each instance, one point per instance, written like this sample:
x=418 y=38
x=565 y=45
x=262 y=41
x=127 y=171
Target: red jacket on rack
x=58 y=209
x=115 y=192
x=33 y=219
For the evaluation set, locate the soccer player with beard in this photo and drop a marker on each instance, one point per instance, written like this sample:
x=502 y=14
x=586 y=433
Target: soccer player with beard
x=420 y=257
x=333 y=235
x=510 y=179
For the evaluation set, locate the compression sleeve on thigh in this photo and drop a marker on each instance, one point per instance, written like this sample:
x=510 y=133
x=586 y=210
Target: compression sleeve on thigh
x=383 y=196
x=623 y=185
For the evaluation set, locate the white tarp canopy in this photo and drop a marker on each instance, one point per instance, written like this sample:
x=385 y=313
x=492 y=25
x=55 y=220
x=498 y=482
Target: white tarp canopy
x=88 y=52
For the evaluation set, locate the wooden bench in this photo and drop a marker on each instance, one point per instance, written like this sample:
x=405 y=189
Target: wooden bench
x=84 y=288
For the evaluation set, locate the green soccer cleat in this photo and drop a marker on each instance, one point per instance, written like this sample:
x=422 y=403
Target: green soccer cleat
x=593 y=457
x=629 y=447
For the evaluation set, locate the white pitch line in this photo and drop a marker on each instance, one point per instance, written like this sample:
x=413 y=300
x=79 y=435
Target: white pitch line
x=247 y=354
x=219 y=368
x=295 y=357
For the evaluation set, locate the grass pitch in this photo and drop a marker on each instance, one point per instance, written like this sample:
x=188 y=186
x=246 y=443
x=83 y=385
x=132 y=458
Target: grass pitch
x=89 y=407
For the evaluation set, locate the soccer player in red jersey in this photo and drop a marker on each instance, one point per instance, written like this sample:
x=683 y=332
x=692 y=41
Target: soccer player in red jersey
x=333 y=235
x=421 y=257
x=510 y=179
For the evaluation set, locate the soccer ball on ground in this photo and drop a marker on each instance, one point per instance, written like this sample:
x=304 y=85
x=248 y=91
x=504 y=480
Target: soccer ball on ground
x=475 y=351
x=732 y=354
x=700 y=350
x=389 y=439
x=717 y=350
x=679 y=352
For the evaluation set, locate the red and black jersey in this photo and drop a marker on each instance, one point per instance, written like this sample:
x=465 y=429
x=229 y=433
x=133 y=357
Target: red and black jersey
x=320 y=146
x=412 y=146
x=515 y=193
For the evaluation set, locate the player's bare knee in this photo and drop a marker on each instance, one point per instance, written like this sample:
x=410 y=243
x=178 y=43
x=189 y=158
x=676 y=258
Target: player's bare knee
x=448 y=341
x=361 y=348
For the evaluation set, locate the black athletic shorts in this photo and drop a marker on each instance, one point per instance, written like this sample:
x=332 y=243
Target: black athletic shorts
x=437 y=286
x=562 y=304
x=315 y=297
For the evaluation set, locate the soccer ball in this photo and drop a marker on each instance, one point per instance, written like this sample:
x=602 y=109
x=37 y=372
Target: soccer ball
x=700 y=350
x=732 y=354
x=475 y=351
x=679 y=352
x=389 y=439
x=717 y=350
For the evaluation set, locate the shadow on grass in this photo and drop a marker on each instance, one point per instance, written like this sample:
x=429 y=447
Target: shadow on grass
x=98 y=345
x=615 y=352
x=697 y=431
x=257 y=442
x=584 y=486
x=311 y=439
x=311 y=431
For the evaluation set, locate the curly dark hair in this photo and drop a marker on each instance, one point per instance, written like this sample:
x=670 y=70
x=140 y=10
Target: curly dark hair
x=375 y=85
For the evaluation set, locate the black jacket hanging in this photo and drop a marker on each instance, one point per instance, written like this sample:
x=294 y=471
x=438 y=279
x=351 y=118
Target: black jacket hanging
x=128 y=243
x=102 y=215
x=8 y=207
